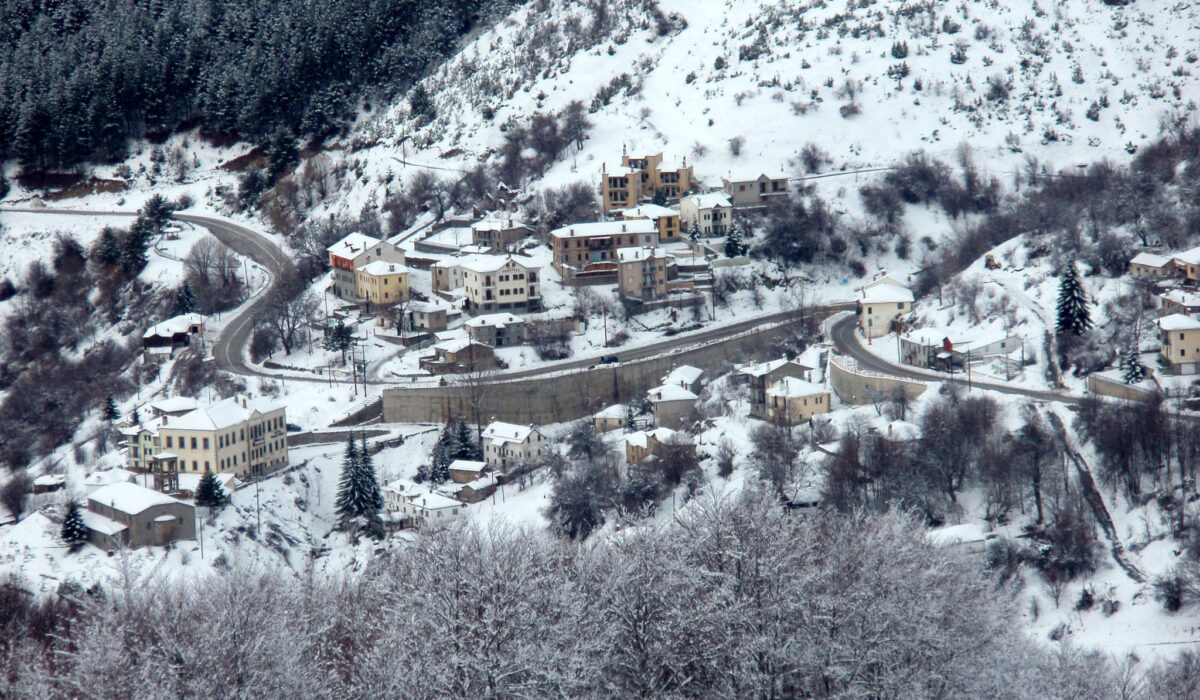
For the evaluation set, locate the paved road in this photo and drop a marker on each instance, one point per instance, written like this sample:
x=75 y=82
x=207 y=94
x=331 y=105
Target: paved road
x=227 y=350
x=845 y=339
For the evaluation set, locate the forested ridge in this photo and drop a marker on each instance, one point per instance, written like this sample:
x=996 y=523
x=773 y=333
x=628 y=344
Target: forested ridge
x=78 y=77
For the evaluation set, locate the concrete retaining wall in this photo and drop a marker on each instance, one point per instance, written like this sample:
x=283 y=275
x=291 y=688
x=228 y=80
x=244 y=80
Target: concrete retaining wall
x=1107 y=387
x=327 y=436
x=857 y=386
x=567 y=396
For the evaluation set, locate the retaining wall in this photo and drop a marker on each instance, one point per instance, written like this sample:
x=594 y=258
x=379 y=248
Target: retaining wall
x=1104 y=386
x=858 y=387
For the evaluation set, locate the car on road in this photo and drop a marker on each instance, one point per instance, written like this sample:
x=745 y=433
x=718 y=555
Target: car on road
x=609 y=359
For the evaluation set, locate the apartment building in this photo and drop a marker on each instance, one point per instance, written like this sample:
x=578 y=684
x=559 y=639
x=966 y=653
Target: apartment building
x=665 y=218
x=500 y=283
x=639 y=178
x=240 y=435
x=583 y=252
x=353 y=252
x=711 y=213
x=642 y=273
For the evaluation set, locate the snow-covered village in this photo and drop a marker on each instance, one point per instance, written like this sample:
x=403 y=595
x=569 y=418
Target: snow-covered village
x=600 y=348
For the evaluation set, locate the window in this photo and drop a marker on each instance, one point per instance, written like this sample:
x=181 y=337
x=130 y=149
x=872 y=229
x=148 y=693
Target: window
x=206 y=443
x=195 y=466
x=193 y=443
x=168 y=441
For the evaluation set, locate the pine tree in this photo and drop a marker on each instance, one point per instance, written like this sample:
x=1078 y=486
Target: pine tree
x=348 y=497
x=74 y=532
x=359 y=497
x=110 y=409
x=1074 y=317
x=340 y=337
x=466 y=447
x=133 y=252
x=209 y=493
x=108 y=250
x=439 y=465
x=370 y=481
x=694 y=231
x=734 y=247
x=185 y=299
x=1131 y=364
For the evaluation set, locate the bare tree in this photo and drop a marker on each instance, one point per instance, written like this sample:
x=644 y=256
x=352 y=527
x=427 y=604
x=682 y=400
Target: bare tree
x=289 y=309
x=15 y=492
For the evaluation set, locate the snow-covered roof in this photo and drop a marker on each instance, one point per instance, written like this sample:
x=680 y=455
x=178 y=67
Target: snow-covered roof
x=903 y=431
x=1150 y=260
x=130 y=498
x=1178 y=322
x=790 y=388
x=433 y=501
x=1191 y=257
x=606 y=228
x=670 y=392
x=499 y=221
x=962 y=340
x=966 y=533
x=353 y=245
x=708 y=200
x=479 y=262
x=174 y=325
x=223 y=414
x=683 y=375
x=500 y=433
x=190 y=481
x=50 y=480
x=454 y=345
x=165 y=455
x=764 y=368
x=753 y=175
x=382 y=267
x=108 y=476
x=649 y=211
x=425 y=307
x=500 y=320
x=639 y=254
x=641 y=438
x=617 y=410
x=622 y=170
x=468 y=465
x=175 y=404
x=886 y=293
x=1182 y=297
x=101 y=524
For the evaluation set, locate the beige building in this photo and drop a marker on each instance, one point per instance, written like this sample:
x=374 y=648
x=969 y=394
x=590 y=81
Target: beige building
x=880 y=303
x=712 y=213
x=499 y=231
x=127 y=515
x=382 y=283
x=353 y=252
x=1148 y=266
x=610 y=418
x=639 y=178
x=1178 y=301
x=791 y=401
x=665 y=218
x=505 y=444
x=673 y=405
x=242 y=436
x=493 y=282
x=1180 y=337
x=642 y=273
x=497 y=330
x=751 y=189
x=586 y=251
x=1187 y=263
x=763 y=375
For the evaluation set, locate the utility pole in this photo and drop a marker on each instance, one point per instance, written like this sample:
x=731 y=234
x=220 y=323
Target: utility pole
x=258 y=503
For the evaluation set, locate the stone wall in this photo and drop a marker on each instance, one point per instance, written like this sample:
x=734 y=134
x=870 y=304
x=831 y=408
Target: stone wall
x=858 y=387
x=1099 y=384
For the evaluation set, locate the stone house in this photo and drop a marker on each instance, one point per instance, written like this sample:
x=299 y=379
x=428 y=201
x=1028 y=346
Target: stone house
x=499 y=230
x=458 y=355
x=672 y=405
x=763 y=375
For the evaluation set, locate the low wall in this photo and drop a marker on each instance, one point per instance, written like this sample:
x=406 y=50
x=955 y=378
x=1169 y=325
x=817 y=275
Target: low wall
x=563 y=396
x=858 y=387
x=328 y=436
x=1104 y=386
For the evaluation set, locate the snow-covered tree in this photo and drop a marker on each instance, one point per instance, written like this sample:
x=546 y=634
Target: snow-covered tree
x=209 y=493
x=734 y=244
x=1131 y=366
x=110 y=409
x=74 y=532
x=339 y=337
x=1074 y=316
x=185 y=299
x=359 y=497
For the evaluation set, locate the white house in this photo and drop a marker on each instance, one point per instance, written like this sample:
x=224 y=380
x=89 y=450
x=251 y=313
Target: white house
x=712 y=212
x=685 y=376
x=506 y=444
x=430 y=509
x=880 y=303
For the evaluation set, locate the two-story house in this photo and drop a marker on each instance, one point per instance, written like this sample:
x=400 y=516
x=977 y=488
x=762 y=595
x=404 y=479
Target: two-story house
x=1180 y=337
x=128 y=515
x=352 y=252
x=584 y=253
x=497 y=330
x=505 y=444
x=880 y=303
x=711 y=213
x=752 y=189
x=665 y=218
x=499 y=230
x=763 y=375
x=791 y=400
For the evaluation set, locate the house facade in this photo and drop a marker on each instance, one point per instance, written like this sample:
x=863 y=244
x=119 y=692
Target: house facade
x=673 y=405
x=753 y=189
x=791 y=401
x=499 y=230
x=240 y=435
x=642 y=273
x=711 y=213
x=426 y=316
x=1149 y=266
x=506 y=444
x=935 y=349
x=665 y=218
x=880 y=303
x=163 y=339
x=127 y=515
x=639 y=178
x=1178 y=301
x=583 y=252
x=497 y=330
x=500 y=283
x=763 y=375
x=429 y=509
x=1187 y=264
x=610 y=418
x=641 y=444
x=458 y=355
x=382 y=283
x=352 y=252
x=1180 y=337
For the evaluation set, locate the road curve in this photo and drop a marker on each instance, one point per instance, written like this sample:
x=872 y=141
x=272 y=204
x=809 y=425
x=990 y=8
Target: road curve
x=845 y=339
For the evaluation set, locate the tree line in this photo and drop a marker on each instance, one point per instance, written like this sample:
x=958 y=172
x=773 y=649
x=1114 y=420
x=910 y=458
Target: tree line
x=78 y=78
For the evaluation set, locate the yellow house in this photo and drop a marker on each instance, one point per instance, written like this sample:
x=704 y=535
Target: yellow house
x=1188 y=262
x=382 y=283
x=1180 y=337
x=791 y=401
x=639 y=178
x=665 y=218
